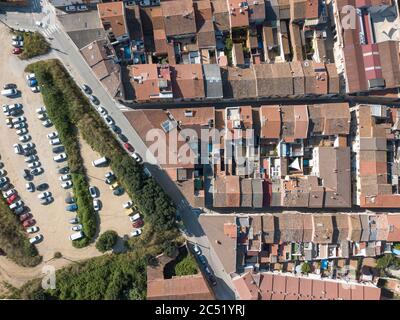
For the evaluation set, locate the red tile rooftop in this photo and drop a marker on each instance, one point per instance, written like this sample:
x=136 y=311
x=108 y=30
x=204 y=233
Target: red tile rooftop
x=238 y=16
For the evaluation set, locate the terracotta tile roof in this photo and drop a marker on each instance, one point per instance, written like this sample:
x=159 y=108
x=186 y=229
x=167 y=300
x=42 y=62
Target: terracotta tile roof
x=323 y=229
x=232 y=191
x=256 y=11
x=179 y=17
x=270 y=117
x=221 y=15
x=298 y=77
x=238 y=16
x=187 y=81
x=238 y=83
x=192 y=287
x=394 y=227
x=114 y=14
x=389 y=56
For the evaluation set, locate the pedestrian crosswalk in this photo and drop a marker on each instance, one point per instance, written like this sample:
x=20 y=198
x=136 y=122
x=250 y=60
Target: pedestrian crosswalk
x=50 y=30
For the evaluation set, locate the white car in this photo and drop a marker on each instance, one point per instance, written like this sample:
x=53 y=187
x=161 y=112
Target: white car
x=44 y=195
x=17 y=148
x=30 y=76
x=35 y=239
x=197 y=249
x=108 y=120
x=60 y=157
x=25 y=138
x=66 y=184
x=20 y=125
x=17 y=43
x=96 y=204
x=65 y=177
x=41 y=110
x=127 y=204
x=31 y=158
x=28 y=146
x=135 y=156
x=52 y=135
x=35 y=89
x=55 y=141
x=34 y=165
x=32 y=229
x=9 y=193
x=47 y=123
x=18 y=120
x=22 y=131
x=16 y=204
x=77 y=228
x=42 y=116
x=136 y=232
x=2 y=172
x=102 y=111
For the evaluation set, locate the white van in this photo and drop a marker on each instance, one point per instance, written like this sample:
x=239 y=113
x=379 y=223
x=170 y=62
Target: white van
x=99 y=162
x=9 y=92
x=76 y=236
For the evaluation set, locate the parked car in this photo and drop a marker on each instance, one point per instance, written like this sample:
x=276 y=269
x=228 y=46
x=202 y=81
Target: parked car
x=16 y=204
x=118 y=192
x=4 y=180
x=42 y=116
x=17 y=44
x=32 y=229
x=96 y=204
x=52 y=135
x=25 y=138
x=122 y=137
x=65 y=177
x=86 y=89
x=41 y=110
x=34 y=165
x=29 y=223
x=17 y=148
x=35 y=89
x=202 y=260
x=47 y=123
x=10 y=86
x=9 y=193
x=128 y=147
x=18 y=120
x=42 y=187
x=70 y=8
x=212 y=280
x=127 y=204
x=17 y=38
x=55 y=141
x=17 y=50
x=12 y=199
x=37 y=171
x=135 y=156
x=93 y=99
x=43 y=195
x=108 y=120
x=72 y=207
x=30 y=76
x=36 y=239
x=31 y=158
x=70 y=200
x=66 y=184
x=197 y=249
x=77 y=228
x=60 y=157
x=9 y=123
x=19 y=210
x=63 y=170
x=2 y=172
x=138 y=224
x=20 y=125
x=102 y=111
x=47 y=200
x=28 y=146
x=115 y=128
x=82 y=7
x=136 y=232
x=93 y=192
x=31 y=82
x=25 y=216
x=22 y=131
x=58 y=149
x=30 y=187
x=74 y=220
x=114 y=186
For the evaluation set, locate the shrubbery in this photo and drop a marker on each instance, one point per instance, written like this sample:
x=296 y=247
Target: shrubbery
x=107 y=241
x=187 y=266
x=14 y=241
x=34 y=45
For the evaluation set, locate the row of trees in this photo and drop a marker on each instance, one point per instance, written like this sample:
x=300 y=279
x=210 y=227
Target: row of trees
x=57 y=99
x=13 y=239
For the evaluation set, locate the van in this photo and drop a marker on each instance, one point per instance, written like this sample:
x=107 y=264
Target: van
x=76 y=236
x=9 y=92
x=99 y=162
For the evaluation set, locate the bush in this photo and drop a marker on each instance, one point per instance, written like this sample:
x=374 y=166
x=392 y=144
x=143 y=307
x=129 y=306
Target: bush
x=187 y=266
x=13 y=239
x=57 y=255
x=107 y=241
x=34 y=45
x=305 y=268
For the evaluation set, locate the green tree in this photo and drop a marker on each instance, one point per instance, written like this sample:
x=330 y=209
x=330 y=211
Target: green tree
x=187 y=266
x=107 y=241
x=305 y=268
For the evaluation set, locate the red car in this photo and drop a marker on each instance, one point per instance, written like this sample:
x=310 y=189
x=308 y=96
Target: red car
x=138 y=223
x=128 y=147
x=12 y=198
x=29 y=223
x=24 y=217
x=17 y=51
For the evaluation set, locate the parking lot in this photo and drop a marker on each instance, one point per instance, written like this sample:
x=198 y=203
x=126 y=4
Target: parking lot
x=52 y=219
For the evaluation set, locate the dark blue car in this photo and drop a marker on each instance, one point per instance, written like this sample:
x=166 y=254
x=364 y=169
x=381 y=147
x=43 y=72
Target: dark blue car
x=32 y=82
x=72 y=207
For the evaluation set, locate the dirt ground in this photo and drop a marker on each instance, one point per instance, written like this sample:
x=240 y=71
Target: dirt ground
x=52 y=219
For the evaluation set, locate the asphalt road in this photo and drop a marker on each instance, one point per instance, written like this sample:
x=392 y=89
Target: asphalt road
x=65 y=50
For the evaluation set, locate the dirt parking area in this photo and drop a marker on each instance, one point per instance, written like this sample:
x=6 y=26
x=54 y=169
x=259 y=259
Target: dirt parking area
x=52 y=219
x=112 y=215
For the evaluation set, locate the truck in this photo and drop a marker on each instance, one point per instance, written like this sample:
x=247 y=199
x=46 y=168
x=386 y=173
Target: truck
x=99 y=162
